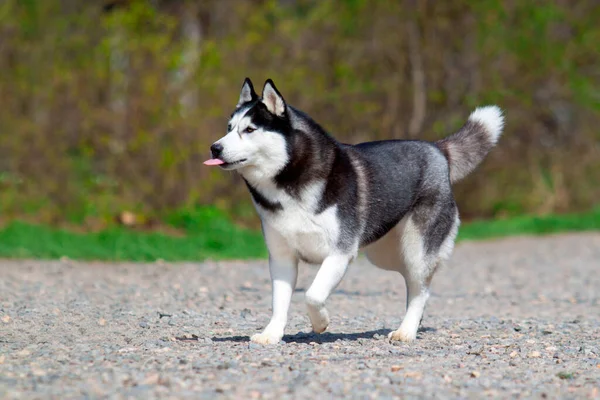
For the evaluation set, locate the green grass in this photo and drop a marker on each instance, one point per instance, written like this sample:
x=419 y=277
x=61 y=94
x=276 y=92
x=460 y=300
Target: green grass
x=529 y=225
x=210 y=234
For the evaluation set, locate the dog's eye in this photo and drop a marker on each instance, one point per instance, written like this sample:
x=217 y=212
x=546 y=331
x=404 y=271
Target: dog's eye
x=249 y=130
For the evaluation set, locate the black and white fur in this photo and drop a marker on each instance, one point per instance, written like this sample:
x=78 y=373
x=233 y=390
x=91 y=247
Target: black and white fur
x=321 y=201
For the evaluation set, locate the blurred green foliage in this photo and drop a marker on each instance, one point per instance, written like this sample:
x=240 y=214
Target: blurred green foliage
x=104 y=111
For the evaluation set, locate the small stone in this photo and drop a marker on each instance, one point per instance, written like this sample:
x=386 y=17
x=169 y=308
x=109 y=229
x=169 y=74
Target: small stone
x=413 y=374
x=198 y=364
x=534 y=354
x=151 y=379
x=127 y=350
x=163 y=350
x=266 y=362
x=513 y=354
x=255 y=394
x=2 y=358
x=24 y=353
x=306 y=365
x=475 y=374
x=447 y=379
x=223 y=366
x=144 y=325
x=396 y=368
x=513 y=363
x=101 y=322
x=477 y=350
x=6 y=319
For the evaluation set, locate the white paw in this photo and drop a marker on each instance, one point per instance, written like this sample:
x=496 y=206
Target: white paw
x=319 y=320
x=402 y=335
x=266 y=338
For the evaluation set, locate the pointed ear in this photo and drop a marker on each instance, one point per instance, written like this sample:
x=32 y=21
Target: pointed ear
x=247 y=94
x=273 y=99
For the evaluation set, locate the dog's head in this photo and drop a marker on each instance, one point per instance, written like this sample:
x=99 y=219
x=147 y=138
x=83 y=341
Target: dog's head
x=256 y=132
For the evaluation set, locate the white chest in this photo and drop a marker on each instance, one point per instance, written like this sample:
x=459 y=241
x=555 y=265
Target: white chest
x=312 y=235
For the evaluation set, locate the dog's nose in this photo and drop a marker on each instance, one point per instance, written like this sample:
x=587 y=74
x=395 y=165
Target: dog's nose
x=216 y=149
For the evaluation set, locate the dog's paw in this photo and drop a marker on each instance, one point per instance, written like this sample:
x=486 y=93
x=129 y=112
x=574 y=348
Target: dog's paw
x=265 y=338
x=402 y=336
x=319 y=320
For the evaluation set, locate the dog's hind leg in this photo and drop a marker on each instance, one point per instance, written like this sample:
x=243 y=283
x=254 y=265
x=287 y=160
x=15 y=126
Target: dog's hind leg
x=328 y=277
x=417 y=287
x=423 y=246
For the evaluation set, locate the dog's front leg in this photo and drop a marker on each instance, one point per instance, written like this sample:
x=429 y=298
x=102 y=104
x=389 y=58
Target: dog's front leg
x=283 y=279
x=283 y=264
x=328 y=277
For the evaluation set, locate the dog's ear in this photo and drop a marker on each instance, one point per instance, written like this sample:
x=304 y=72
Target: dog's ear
x=273 y=99
x=247 y=94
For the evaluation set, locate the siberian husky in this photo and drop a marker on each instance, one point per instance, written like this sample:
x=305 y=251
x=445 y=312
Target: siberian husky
x=321 y=201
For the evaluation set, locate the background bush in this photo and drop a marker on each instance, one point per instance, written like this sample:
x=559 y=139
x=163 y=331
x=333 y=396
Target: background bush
x=111 y=106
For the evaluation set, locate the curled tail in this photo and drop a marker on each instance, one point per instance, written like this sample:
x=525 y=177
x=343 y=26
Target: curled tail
x=466 y=148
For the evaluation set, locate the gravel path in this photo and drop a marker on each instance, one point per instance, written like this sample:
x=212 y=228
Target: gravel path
x=511 y=318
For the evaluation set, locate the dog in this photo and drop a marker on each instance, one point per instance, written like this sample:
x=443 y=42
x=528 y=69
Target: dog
x=321 y=201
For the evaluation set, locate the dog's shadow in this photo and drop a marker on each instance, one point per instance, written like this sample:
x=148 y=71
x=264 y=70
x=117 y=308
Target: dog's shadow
x=327 y=337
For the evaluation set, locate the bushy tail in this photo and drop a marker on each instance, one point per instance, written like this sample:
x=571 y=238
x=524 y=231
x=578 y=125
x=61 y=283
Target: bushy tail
x=468 y=147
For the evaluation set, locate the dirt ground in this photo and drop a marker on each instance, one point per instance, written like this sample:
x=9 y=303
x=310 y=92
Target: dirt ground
x=513 y=318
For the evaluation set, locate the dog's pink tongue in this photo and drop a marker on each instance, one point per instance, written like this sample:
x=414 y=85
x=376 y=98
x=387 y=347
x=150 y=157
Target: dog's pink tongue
x=214 y=161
